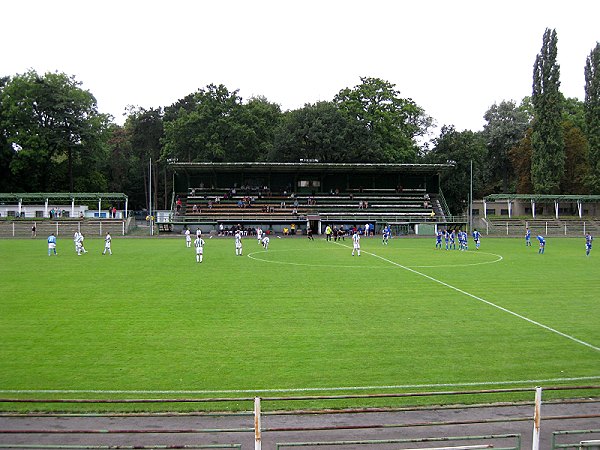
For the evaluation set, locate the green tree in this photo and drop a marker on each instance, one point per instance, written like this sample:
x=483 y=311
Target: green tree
x=576 y=172
x=394 y=123
x=574 y=112
x=6 y=151
x=323 y=132
x=506 y=126
x=55 y=130
x=459 y=148
x=209 y=125
x=257 y=121
x=520 y=156
x=520 y=153
x=573 y=180
x=592 y=116
x=145 y=128
x=119 y=162
x=548 y=157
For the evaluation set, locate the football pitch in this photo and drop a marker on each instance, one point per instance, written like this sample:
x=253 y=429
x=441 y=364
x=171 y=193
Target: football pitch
x=303 y=317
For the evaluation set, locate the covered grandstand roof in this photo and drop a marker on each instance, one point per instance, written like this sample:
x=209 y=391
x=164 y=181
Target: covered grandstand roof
x=311 y=167
x=543 y=197
x=42 y=196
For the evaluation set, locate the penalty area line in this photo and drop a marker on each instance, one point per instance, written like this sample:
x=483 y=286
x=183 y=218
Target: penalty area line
x=315 y=389
x=487 y=302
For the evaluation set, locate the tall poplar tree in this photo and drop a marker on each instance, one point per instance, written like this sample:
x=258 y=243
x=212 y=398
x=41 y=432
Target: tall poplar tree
x=592 y=116
x=548 y=149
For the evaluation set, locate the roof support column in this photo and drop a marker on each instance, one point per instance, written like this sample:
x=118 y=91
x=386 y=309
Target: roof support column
x=20 y=206
x=533 y=208
x=99 y=208
x=72 y=206
x=509 y=209
x=579 y=208
x=46 y=208
x=556 y=209
x=484 y=209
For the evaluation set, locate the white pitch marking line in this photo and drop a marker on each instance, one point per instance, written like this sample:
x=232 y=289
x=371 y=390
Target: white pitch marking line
x=318 y=389
x=255 y=258
x=290 y=263
x=546 y=327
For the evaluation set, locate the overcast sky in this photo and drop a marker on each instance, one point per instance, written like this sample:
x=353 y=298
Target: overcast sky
x=453 y=58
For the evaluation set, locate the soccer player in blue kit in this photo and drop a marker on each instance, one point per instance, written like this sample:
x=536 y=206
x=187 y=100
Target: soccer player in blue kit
x=51 y=244
x=588 y=243
x=465 y=241
x=438 y=239
x=542 y=241
x=476 y=238
x=386 y=235
x=452 y=240
x=528 y=237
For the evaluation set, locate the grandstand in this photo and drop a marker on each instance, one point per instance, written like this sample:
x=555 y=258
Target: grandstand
x=214 y=196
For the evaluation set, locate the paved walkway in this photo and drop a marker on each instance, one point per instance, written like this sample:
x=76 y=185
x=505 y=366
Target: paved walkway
x=180 y=430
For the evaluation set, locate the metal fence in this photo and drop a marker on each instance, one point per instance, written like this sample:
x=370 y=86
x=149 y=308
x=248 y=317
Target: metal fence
x=282 y=426
x=557 y=228
x=64 y=227
x=583 y=441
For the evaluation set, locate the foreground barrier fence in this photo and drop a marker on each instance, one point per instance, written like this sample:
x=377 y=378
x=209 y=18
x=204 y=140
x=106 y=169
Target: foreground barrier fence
x=412 y=427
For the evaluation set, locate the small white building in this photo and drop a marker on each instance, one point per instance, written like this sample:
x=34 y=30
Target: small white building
x=531 y=205
x=41 y=211
x=55 y=206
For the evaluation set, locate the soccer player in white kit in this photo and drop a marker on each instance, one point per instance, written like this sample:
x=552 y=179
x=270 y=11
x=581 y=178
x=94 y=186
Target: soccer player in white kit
x=356 y=243
x=199 y=244
x=238 y=243
x=259 y=235
x=188 y=238
x=79 y=244
x=107 y=241
x=265 y=242
x=75 y=241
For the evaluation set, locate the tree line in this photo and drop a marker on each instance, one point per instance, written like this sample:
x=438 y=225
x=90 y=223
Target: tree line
x=54 y=139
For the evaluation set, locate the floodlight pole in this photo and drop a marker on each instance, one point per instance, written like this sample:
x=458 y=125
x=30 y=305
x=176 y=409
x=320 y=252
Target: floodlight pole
x=471 y=201
x=150 y=198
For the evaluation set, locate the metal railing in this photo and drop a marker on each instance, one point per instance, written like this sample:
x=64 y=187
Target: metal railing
x=442 y=200
x=586 y=443
x=65 y=227
x=249 y=424
x=551 y=227
x=453 y=440
x=103 y=447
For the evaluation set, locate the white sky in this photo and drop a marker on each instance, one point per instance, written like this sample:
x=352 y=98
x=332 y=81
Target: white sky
x=453 y=58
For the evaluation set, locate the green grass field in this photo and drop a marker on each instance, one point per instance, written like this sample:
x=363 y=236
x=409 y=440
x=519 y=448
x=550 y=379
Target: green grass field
x=305 y=317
